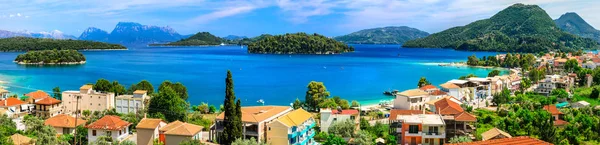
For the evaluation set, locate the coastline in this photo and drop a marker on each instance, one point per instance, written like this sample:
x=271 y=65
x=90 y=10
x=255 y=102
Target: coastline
x=463 y=64
x=61 y=63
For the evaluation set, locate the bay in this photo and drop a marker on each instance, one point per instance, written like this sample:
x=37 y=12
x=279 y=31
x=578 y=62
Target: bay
x=277 y=79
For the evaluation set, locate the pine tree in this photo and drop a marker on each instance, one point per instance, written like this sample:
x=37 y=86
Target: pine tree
x=232 y=121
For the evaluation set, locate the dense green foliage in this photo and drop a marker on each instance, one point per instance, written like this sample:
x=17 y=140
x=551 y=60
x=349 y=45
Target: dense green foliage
x=298 y=43
x=423 y=82
x=232 y=123
x=104 y=85
x=343 y=128
x=385 y=35
x=7 y=128
x=571 y=22
x=247 y=41
x=28 y=44
x=56 y=93
x=168 y=103
x=191 y=142
x=251 y=141
x=179 y=88
x=51 y=56
x=494 y=73
x=142 y=85
x=200 y=38
x=525 y=61
x=316 y=94
x=518 y=28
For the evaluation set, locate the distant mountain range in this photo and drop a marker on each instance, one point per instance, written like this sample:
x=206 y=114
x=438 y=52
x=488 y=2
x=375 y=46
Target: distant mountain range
x=518 y=28
x=52 y=34
x=132 y=33
x=234 y=37
x=574 y=24
x=385 y=35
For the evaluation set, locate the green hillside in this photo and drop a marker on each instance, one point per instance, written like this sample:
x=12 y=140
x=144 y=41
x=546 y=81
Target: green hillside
x=385 y=35
x=574 y=24
x=298 y=43
x=518 y=28
x=26 y=44
x=200 y=38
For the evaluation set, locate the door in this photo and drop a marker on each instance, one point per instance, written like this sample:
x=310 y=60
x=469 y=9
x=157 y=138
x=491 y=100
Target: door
x=413 y=141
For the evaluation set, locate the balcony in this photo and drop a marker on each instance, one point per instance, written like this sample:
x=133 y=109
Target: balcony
x=305 y=140
x=302 y=130
x=406 y=133
x=434 y=135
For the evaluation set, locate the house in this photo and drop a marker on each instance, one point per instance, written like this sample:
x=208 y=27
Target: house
x=64 y=124
x=430 y=105
x=483 y=87
x=428 y=88
x=33 y=97
x=329 y=116
x=19 y=139
x=552 y=82
x=580 y=104
x=148 y=130
x=556 y=114
x=293 y=128
x=424 y=129
x=4 y=93
x=458 y=121
x=48 y=107
x=15 y=108
x=177 y=132
x=411 y=100
x=451 y=89
x=396 y=125
x=131 y=103
x=87 y=99
x=521 y=140
x=108 y=125
x=254 y=120
x=494 y=133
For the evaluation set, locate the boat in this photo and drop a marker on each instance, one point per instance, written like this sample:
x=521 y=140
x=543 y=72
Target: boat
x=261 y=102
x=390 y=93
x=222 y=44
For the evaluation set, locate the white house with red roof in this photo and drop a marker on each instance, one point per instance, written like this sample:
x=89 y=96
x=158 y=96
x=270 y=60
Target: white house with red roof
x=329 y=116
x=108 y=125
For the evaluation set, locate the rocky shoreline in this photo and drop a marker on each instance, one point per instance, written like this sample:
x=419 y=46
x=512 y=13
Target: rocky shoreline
x=42 y=63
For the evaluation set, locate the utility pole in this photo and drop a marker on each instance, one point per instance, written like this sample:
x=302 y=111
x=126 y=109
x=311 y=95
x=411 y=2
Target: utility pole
x=76 y=116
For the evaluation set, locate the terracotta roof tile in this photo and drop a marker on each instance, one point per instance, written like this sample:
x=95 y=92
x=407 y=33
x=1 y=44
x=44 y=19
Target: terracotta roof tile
x=183 y=129
x=413 y=92
x=259 y=113
x=109 y=122
x=490 y=134
x=85 y=87
x=171 y=125
x=465 y=117
x=19 y=139
x=438 y=92
x=447 y=107
x=521 y=140
x=11 y=102
x=39 y=94
x=149 y=123
x=449 y=86
x=63 y=120
x=428 y=87
x=295 y=118
x=552 y=109
x=48 y=101
x=394 y=113
x=560 y=122
x=347 y=112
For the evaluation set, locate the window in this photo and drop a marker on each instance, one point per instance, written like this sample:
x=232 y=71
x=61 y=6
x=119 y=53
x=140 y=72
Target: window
x=93 y=132
x=119 y=132
x=66 y=131
x=334 y=119
x=433 y=129
x=269 y=128
x=352 y=117
x=413 y=129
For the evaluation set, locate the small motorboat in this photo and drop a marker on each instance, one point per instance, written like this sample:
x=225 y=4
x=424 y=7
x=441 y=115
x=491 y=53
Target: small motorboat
x=261 y=102
x=390 y=93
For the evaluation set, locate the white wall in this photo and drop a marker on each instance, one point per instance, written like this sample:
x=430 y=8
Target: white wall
x=114 y=134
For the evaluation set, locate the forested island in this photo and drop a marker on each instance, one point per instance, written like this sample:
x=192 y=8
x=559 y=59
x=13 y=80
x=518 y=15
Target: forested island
x=27 y=44
x=518 y=28
x=198 y=39
x=298 y=43
x=51 y=57
x=385 y=35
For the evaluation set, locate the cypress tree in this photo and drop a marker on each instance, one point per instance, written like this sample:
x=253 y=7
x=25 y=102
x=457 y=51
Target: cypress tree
x=238 y=124
x=232 y=121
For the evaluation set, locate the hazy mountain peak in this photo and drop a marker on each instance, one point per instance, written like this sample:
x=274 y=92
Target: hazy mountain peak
x=383 y=35
x=573 y=23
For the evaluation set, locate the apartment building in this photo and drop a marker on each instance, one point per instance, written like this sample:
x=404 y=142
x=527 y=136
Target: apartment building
x=293 y=128
x=48 y=107
x=413 y=99
x=419 y=129
x=87 y=99
x=254 y=119
x=329 y=116
x=64 y=124
x=131 y=103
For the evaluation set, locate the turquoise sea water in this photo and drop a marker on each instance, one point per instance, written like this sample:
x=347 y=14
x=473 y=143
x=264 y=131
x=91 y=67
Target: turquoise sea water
x=277 y=79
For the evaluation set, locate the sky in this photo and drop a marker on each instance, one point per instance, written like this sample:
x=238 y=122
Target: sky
x=255 y=17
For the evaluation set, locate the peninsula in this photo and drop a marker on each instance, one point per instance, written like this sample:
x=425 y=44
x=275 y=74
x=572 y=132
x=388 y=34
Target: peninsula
x=198 y=39
x=27 y=44
x=51 y=57
x=298 y=43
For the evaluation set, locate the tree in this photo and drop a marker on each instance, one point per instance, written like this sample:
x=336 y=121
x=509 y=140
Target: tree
x=102 y=85
x=86 y=114
x=316 y=93
x=525 y=84
x=212 y=109
x=423 y=82
x=251 y=141
x=467 y=76
x=494 y=73
x=363 y=137
x=56 y=93
x=472 y=60
x=103 y=140
x=128 y=142
x=202 y=108
x=571 y=65
x=334 y=140
x=560 y=93
x=35 y=127
x=117 y=88
x=7 y=128
x=355 y=103
x=231 y=130
x=177 y=87
x=460 y=139
x=364 y=124
x=142 y=85
x=344 y=104
x=328 y=103
x=297 y=104
x=546 y=126
x=168 y=103
x=343 y=128
x=191 y=142
x=81 y=135
x=502 y=97
x=595 y=93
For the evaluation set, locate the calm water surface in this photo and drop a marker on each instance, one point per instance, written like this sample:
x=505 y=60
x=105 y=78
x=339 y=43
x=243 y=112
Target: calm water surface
x=277 y=79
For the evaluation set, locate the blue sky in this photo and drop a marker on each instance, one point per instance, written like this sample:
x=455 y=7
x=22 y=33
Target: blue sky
x=255 y=17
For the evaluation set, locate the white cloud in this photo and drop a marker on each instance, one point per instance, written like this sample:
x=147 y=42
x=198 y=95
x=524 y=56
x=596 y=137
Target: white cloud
x=18 y=14
x=300 y=11
x=11 y=15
